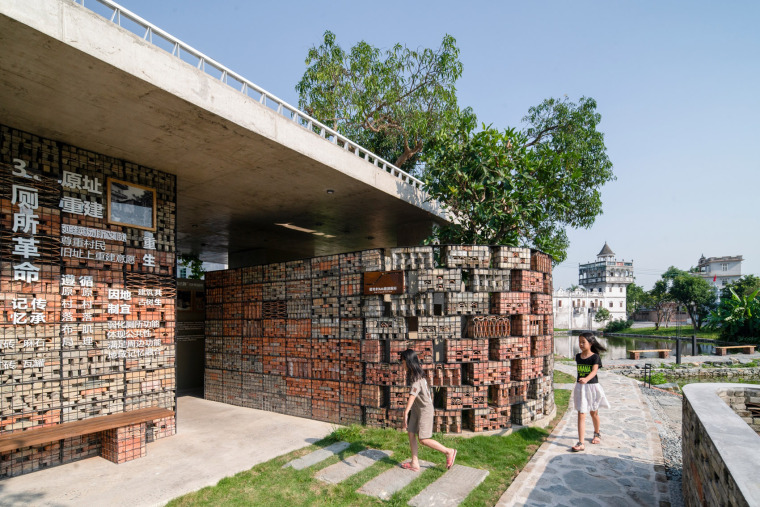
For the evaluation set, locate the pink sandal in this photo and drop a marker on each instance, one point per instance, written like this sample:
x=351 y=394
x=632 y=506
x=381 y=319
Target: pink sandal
x=450 y=461
x=407 y=465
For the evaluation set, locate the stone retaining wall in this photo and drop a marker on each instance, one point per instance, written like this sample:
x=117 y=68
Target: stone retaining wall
x=681 y=373
x=719 y=449
x=746 y=403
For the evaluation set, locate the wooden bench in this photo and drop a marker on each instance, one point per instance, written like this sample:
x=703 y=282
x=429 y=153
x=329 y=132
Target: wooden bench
x=636 y=354
x=122 y=432
x=722 y=351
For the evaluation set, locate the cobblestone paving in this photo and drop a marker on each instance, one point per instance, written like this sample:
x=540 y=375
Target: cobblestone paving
x=625 y=469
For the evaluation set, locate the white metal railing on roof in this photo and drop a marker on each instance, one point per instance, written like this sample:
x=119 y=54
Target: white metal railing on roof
x=151 y=33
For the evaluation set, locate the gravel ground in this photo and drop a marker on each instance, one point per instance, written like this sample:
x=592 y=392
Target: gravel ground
x=666 y=412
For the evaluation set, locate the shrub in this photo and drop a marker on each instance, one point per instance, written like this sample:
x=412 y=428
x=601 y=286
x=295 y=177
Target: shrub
x=618 y=325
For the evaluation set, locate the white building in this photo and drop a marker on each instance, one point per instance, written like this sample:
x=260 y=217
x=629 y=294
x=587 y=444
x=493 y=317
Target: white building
x=720 y=271
x=603 y=284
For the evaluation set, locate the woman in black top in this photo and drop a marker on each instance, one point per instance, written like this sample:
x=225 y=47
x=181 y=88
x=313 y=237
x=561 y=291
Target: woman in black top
x=588 y=394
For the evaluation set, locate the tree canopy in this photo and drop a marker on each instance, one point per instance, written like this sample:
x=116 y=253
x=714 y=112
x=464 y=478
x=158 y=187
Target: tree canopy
x=391 y=102
x=520 y=187
x=692 y=291
x=636 y=298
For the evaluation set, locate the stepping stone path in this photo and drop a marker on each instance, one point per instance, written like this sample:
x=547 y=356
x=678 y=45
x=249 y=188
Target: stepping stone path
x=395 y=479
x=449 y=490
x=352 y=465
x=319 y=455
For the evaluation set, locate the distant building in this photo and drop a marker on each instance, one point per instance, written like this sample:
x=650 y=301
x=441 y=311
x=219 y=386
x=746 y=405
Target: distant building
x=602 y=285
x=720 y=271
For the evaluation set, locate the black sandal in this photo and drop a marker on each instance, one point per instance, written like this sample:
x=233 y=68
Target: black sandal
x=597 y=436
x=578 y=447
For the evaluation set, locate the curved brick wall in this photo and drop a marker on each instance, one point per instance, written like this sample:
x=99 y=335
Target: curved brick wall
x=301 y=338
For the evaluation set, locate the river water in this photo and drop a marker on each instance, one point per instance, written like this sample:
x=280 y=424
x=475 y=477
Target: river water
x=567 y=346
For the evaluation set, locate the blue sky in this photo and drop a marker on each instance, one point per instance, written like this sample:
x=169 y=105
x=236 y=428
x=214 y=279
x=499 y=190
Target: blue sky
x=677 y=84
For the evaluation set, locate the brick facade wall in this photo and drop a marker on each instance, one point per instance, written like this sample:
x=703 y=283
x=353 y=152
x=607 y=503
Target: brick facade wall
x=87 y=325
x=301 y=338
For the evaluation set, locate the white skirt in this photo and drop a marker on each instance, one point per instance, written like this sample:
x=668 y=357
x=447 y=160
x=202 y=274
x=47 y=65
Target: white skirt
x=589 y=397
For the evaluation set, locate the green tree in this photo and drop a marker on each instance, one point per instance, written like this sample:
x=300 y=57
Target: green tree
x=512 y=187
x=390 y=102
x=744 y=286
x=696 y=294
x=738 y=316
x=635 y=297
x=662 y=302
x=602 y=315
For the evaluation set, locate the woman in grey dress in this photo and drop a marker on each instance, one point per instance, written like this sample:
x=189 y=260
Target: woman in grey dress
x=418 y=415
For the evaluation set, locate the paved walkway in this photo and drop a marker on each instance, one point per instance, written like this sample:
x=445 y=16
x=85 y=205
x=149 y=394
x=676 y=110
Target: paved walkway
x=625 y=469
x=213 y=441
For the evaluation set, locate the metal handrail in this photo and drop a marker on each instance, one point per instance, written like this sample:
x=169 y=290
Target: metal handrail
x=225 y=75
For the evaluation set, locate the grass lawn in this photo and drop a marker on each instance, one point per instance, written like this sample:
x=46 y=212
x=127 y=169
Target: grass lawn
x=563 y=378
x=270 y=484
x=672 y=331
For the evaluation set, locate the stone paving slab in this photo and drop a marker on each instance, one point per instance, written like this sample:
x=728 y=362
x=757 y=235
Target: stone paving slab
x=451 y=488
x=395 y=479
x=319 y=455
x=625 y=469
x=352 y=465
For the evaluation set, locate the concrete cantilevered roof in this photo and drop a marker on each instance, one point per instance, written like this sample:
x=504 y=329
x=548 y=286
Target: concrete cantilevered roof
x=68 y=74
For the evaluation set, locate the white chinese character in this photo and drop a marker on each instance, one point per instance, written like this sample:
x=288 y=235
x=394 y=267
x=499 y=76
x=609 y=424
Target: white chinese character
x=88 y=328
x=87 y=340
x=125 y=310
x=113 y=293
x=67 y=303
x=26 y=272
x=19 y=318
x=28 y=343
x=7 y=344
x=25 y=222
x=91 y=185
x=26 y=247
x=66 y=240
x=149 y=241
x=130 y=259
x=25 y=197
x=85 y=281
x=126 y=295
x=157 y=292
x=87 y=316
x=149 y=260
x=68 y=342
x=67 y=329
x=67 y=291
x=37 y=318
x=113 y=309
x=39 y=304
x=72 y=205
x=39 y=363
x=86 y=305
x=20 y=304
x=68 y=280
x=71 y=180
x=100 y=245
x=92 y=209
x=86 y=292
x=67 y=316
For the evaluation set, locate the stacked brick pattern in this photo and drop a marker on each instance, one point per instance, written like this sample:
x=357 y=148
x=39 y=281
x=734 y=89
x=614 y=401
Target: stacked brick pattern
x=301 y=338
x=93 y=334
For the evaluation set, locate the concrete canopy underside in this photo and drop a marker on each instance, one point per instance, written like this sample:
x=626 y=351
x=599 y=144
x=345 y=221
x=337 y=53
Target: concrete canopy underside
x=70 y=75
